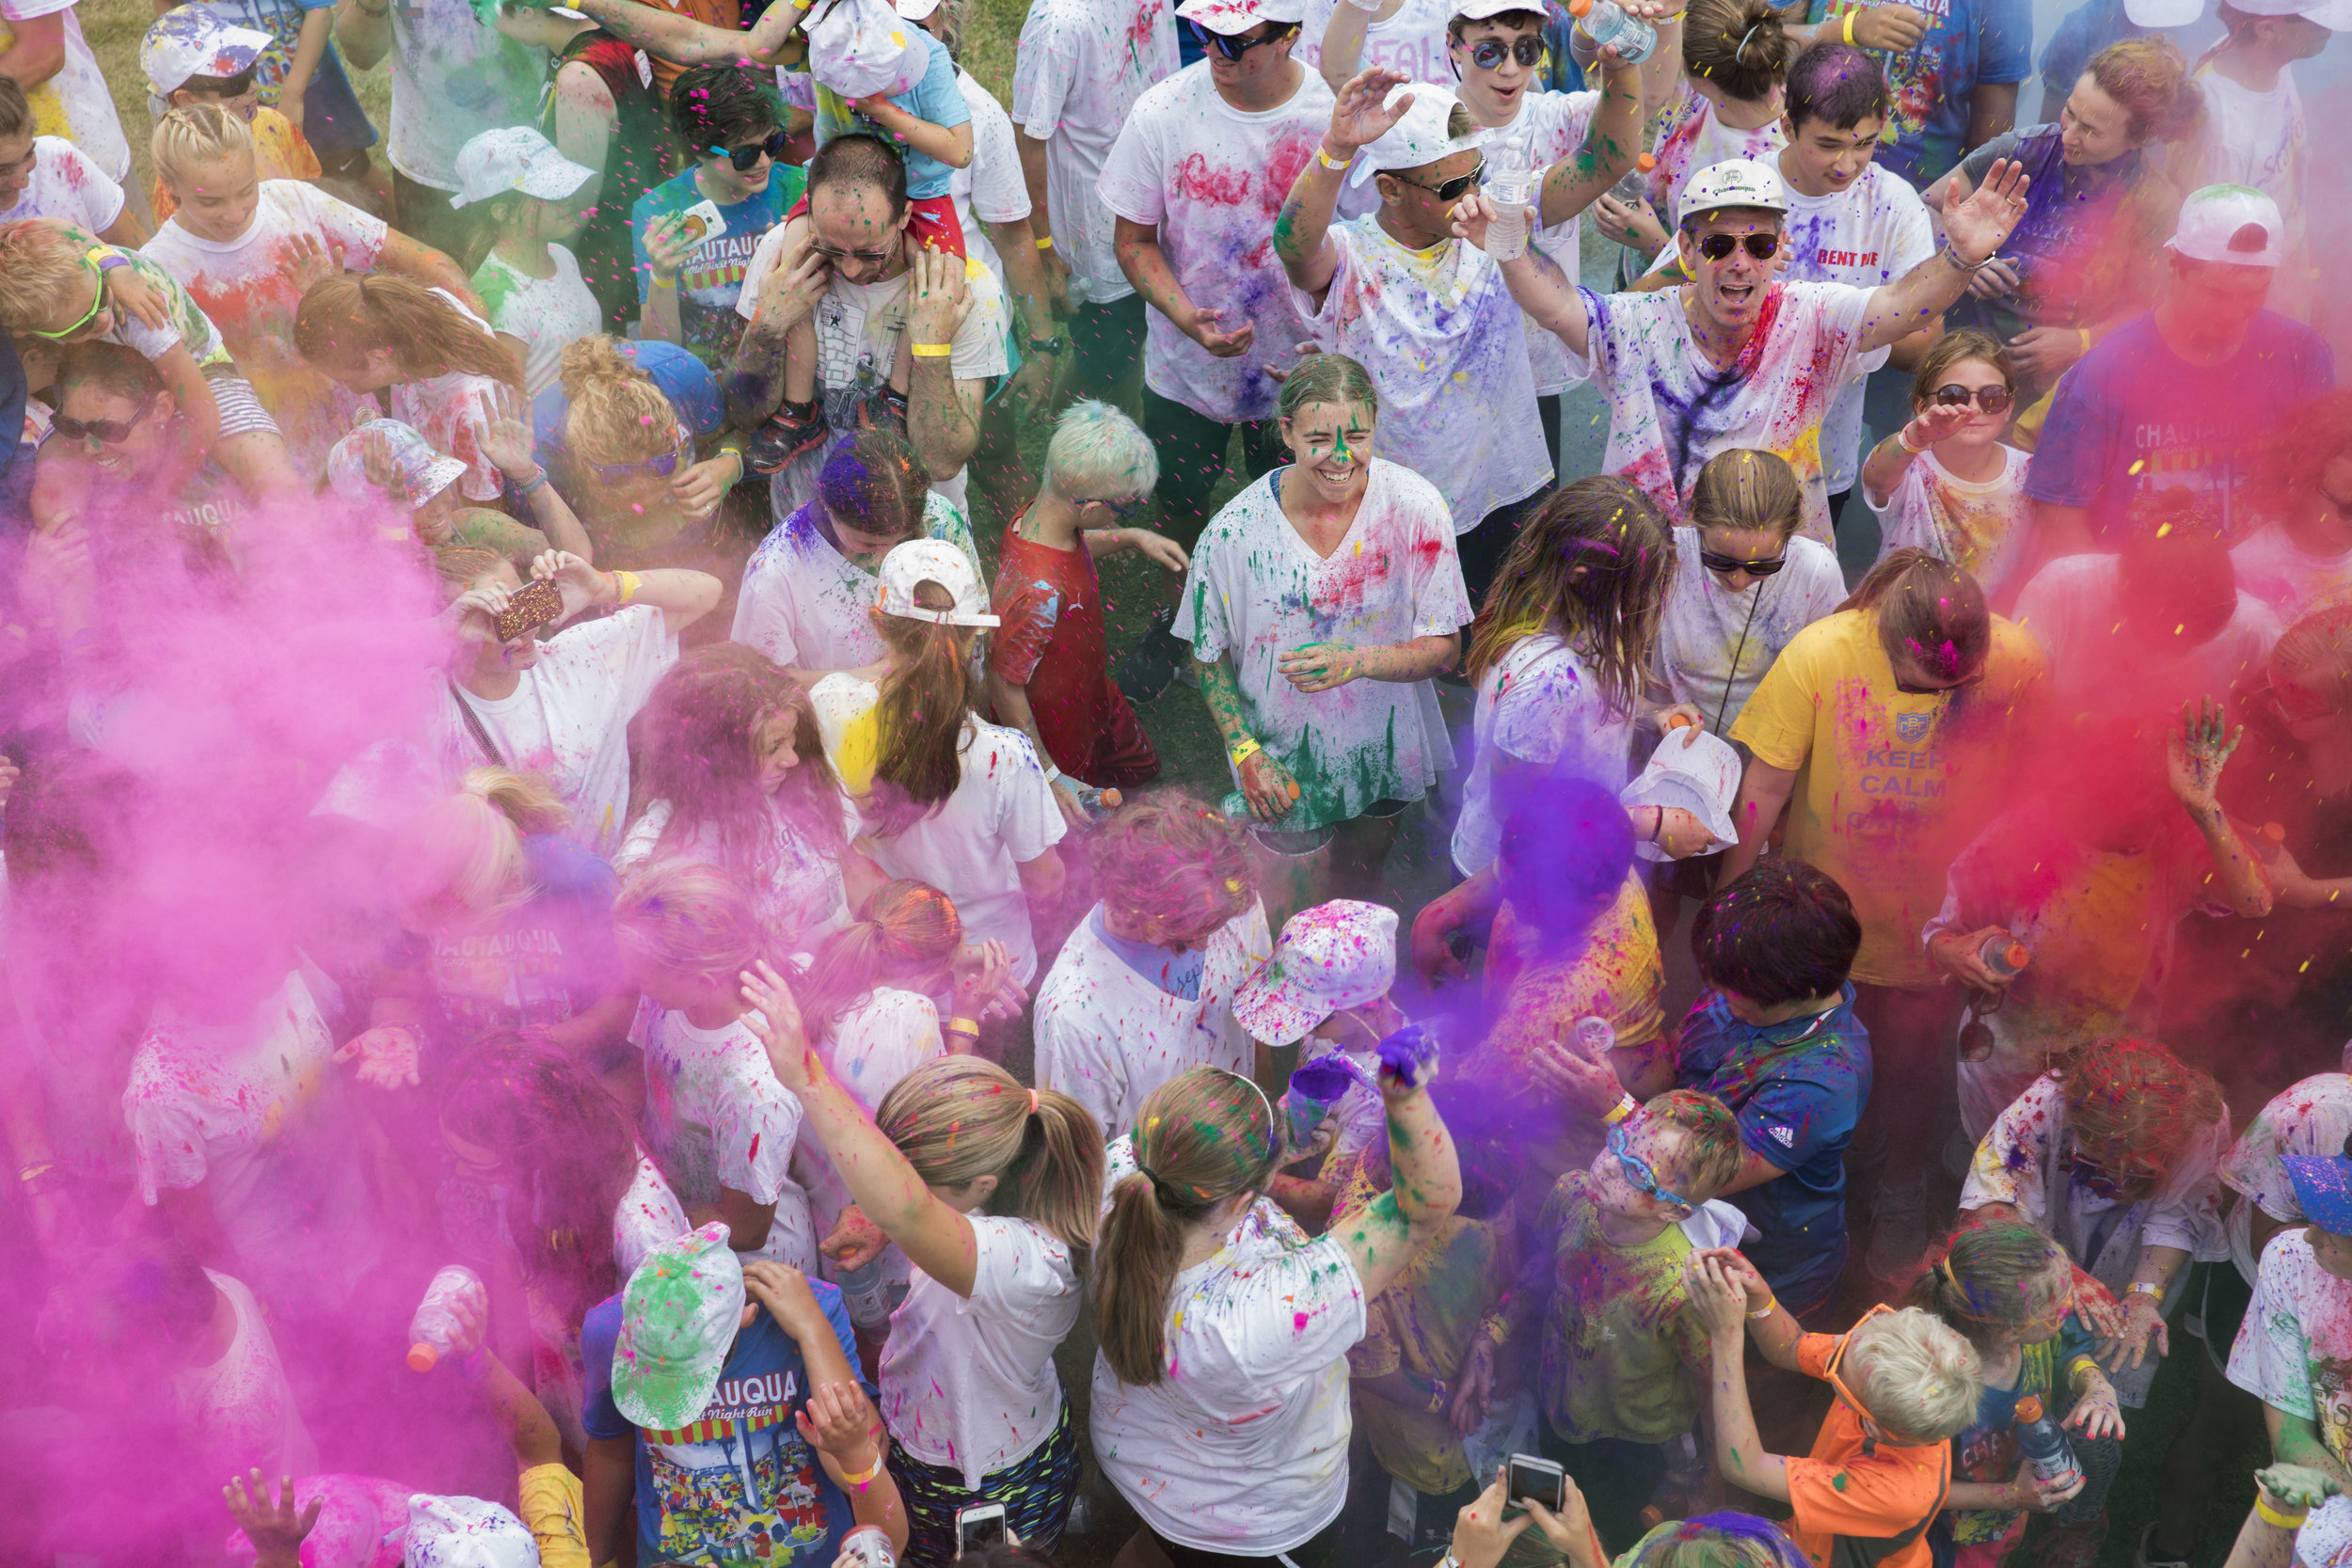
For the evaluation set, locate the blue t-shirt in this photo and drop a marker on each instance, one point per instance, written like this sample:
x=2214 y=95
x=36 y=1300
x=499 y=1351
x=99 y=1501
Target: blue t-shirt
x=938 y=97
x=686 y=381
x=1798 y=1089
x=549 y=959
x=2132 y=418
x=1930 y=87
x=739 y=1485
x=713 y=275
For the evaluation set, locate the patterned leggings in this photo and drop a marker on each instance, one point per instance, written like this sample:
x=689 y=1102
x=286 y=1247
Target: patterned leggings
x=1035 y=1494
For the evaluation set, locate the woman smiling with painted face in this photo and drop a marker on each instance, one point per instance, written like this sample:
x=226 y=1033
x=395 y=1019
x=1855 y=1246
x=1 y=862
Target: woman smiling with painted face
x=1321 y=601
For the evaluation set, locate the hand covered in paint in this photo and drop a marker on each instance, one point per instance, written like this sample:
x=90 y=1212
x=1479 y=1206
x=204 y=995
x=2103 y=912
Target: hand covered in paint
x=667 y=247
x=1977 y=222
x=275 y=1527
x=1960 y=957
x=1735 y=1268
x=2030 y=1494
x=132 y=295
x=2043 y=352
x=387 y=1055
x=941 y=298
x=1997 y=279
x=1267 y=785
x=1321 y=666
x=1582 y=1078
x=1360 y=116
x=839 y=1420
x=502 y=433
x=1473 y=1391
x=1714 y=1297
x=2095 y=1306
x=783 y=1291
x=698 y=490
x=855 y=1242
x=776 y=1020
x=1206 y=328
x=2143 y=1322
x=2297 y=1485
x=2097 y=1412
x=1629 y=223
x=2195 y=754
x=305 y=262
x=1895 y=28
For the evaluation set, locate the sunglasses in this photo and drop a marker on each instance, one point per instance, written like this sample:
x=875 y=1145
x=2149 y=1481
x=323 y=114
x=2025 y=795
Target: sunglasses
x=1831 y=1373
x=1121 y=507
x=1489 y=54
x=1992 y=400
x=97 y=304
x=1453 y=189
x=871 y=258
x=746 y=159
x=1644 y=1180
x=1235 y=48
x=1726 y=565
x=1716 y=248
x=1908 y=689
x=660 y=468
x=109 y=433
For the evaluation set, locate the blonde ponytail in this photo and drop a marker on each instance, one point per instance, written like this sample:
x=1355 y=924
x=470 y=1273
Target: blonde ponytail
x=194 y=133
x=958 y=1119
x=462 y=859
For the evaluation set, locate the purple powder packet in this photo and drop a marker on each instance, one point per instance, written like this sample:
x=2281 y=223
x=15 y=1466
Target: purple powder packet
x=1315 y=1087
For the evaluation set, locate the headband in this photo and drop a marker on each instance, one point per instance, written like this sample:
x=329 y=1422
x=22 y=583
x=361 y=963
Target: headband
x=1273 y=1151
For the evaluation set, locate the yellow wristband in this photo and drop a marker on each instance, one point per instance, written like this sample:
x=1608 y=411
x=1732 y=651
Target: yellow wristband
x=964 y=1026
x=2272 y=1516
x=1851 y=17
x=866 y=1475
x=1045 y=242
x=1243 y=752
x=1329 y=162
x=1771 y=1304
x=1625 y=1108
x=2083 y=333
x=626 y=583
x=934 y=351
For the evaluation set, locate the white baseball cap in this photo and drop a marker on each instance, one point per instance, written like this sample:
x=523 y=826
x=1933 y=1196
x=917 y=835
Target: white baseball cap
x=916 y=10
x=465 y=1532
x=196 y=40
x=2236 y=224
x=387 y=455
x=2334 y=15
x=1330 y=958
x=1229 y=17
x=1418 y=139
x=1734 y=182
x=909 y=565
x=679 y=1314
x=515 y=158
x=1486 y=10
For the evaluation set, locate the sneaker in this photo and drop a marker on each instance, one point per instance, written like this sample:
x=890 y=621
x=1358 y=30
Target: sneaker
x=791 y=430
x=2143 y=1556
x=1899 y=1230
x=1154 y=663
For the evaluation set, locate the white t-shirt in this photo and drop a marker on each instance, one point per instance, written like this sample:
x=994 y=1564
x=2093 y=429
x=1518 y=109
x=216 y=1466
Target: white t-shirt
x=881 y=1040
x=1255 y=592
x=717 y=1117
x=2310 y=1118
x=241 y=1410
x=66 y=183
x=2255 y=138
x=798 y=904
x=991 y=188
x=2275 y=569
x=254 y=1113
x=1447 y=346
x=1978 y=525
x=2293 y=1349
x=1670 y=409
x=81 y=89
x=1691 y=139
x=454 y=78
x=568 y=721
x=969 y=1383
x=1872 y=232
x=1212 y=178
x=1078 y=71
x=1412 y=41
x=1701 y=630
x=240 y=287
x=805 y=605
x=2073 y=609
x=1107 y=1037
x=1536 y=702
x=544 y=313
x=972 y=845
x=647 y=1215
x=1548 y=127
x=1242 y=1447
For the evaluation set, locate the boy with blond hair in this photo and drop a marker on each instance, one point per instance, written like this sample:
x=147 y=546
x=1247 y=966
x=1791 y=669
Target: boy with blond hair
x=1906 y=1384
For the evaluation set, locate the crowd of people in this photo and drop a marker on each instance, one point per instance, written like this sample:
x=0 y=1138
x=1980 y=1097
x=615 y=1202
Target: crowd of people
x=612 y=948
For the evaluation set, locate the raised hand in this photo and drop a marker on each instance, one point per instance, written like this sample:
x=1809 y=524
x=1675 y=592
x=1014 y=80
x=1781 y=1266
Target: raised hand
x=1977 y=223
x=1935 y=422
x=305 y=261
x=2195 y=754
x=582 y=586
x=275 y=1528
x=776 y=1021
x=501 y=430
x=1361 y=115
x=941 y=298
x=1473 y=215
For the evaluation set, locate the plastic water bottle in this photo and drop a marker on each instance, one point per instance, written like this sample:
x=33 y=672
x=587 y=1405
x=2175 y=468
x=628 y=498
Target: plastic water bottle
x=1632 y=187
x=868 y=1294
x=1606 y=25
x=2045 y=1447
x=1594 y=1035
x=1099 y=803
x=434 y=1329
x=2005 y=956
x=1510 y=184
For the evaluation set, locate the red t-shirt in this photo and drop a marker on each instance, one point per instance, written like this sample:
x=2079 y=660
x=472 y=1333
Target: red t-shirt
x=1053 y=641
x=1862 y=1508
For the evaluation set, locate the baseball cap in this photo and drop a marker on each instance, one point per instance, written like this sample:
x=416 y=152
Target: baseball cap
x=1229 y=17
x=916 y=10
x=920 y=560
x=515 y=158
x=2322 y=1187
x=2334 y=15
x=403 y=464
x=679 y=1314
x=465 y=1532
x=1329 y=958
x=1419 y=137
x=196 y=40
x=1486 y=10
x=2236 y=224
x=1734 y=182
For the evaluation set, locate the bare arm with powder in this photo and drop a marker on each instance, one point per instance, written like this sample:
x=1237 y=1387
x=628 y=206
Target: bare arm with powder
x=1303 y=229
x=1721 y=1303
x=1266 y=783
x=1974 y=229
x=1427 y=1187
x=1611 y=144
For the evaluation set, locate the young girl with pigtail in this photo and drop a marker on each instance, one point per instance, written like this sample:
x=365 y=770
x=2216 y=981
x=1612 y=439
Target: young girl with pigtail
x=992 y=1191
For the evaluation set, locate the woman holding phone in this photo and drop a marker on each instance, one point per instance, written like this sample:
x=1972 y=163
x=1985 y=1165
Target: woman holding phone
x=992 y=1191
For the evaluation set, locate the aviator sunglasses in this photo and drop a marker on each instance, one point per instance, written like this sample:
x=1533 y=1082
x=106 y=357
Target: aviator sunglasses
x=1235 y=48
x=1726 y=565
x=1489 y=54
x=111 y=433
x=1992 y=400
x=1717 y=246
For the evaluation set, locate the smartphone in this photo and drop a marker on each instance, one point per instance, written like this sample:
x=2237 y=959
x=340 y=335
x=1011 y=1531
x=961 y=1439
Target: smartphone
x=536 y=604
x=979 y=1527
x=702 y=222
x=1532 y=1476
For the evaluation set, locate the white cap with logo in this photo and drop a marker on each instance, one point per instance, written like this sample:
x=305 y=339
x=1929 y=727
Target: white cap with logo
x=2235 y=224
x=1420 y=137
x=1227 y=18
x=1330 y=958
x=1734 y=182
x=515 y=158
x=909 y=565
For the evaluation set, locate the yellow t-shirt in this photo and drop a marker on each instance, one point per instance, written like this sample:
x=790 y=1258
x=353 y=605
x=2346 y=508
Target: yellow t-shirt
x=279 y=153
x=1889 y=786
x=550 y=1506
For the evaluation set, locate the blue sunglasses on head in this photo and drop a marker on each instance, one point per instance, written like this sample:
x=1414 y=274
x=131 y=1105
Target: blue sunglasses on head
x=1645 y=1179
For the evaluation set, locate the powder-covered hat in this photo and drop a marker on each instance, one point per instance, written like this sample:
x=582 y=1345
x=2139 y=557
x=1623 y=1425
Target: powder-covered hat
x=1230 y=17
x=2323 y=1188
x=1734 y=182
x=1329 y=958
x=2236 y=224
x=1417 y=140
x=388 y=454
x=908 y=566
x=515 y=158
x=465 y=1532
x=196 y=40
x=679 y=1314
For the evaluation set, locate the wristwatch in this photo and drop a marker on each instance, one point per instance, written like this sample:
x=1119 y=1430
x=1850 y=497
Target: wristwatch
x=1054 y=345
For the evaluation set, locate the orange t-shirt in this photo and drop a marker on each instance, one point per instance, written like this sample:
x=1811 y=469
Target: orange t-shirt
x=1857 y=1510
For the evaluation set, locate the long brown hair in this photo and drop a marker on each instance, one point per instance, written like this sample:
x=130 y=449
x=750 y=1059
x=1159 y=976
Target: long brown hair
x=2134 y=1107
x=906 y=935
x=1928 y=611
x=1199 y=1138
x=346 y=318
x=925 y=700
x=1594 y=566
x=958 y=1119
x=689 y=919
x=698 y=748
x=1989 y=1277
x=1739 y=45
x=1748 y=490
